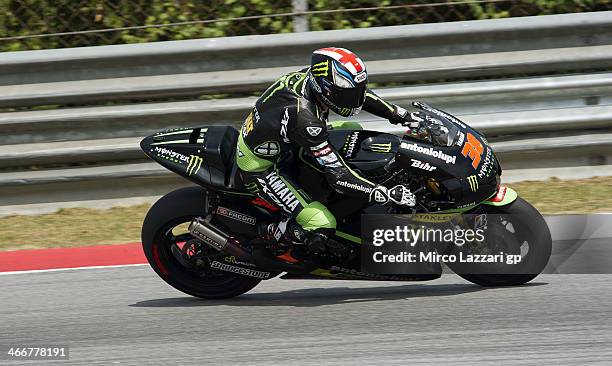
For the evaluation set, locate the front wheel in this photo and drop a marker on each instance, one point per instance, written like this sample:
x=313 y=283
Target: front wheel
x=169 y=247
x=521 y=230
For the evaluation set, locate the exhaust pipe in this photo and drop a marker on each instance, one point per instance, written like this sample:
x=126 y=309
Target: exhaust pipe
x=217 y=239
x=221 y=241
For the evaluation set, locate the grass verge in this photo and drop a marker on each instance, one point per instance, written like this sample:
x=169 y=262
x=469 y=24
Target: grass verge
x=80 y=227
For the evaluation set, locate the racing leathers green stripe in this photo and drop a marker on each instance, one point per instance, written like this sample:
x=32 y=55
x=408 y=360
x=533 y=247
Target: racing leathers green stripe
x=247 y=161
x=278 y=188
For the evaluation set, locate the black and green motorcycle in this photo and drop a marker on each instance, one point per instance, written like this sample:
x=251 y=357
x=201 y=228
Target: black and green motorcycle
x=205 y=240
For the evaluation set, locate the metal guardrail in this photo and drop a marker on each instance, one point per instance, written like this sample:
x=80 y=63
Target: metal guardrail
x=592 y=91
x=251 y=80
x=150 y=179
x=565 y=120
x=251 y=52
x=573 y=111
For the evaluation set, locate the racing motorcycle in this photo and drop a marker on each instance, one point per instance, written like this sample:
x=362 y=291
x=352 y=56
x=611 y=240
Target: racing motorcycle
x=206 y=240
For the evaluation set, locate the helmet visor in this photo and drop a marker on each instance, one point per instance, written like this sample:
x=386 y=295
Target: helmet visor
x=346 y=97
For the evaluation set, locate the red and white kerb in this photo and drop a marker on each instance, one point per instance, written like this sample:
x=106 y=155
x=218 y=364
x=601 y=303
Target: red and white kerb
x=345 y=57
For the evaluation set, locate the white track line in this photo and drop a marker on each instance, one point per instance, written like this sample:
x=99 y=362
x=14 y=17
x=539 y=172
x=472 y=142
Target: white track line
x=70 y=269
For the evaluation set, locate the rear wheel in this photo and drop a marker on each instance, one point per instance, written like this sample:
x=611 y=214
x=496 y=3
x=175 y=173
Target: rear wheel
x=520 y=230
x=171 y=250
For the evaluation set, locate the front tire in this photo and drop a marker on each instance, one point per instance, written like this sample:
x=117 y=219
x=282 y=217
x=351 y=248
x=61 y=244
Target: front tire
x=533 y=226
x=160 y=241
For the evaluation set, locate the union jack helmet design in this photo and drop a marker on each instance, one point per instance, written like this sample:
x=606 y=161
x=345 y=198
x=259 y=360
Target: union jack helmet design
x=339 y=78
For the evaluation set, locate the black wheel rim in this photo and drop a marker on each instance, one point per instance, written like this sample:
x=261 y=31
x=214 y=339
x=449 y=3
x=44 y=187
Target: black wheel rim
x=169 y=257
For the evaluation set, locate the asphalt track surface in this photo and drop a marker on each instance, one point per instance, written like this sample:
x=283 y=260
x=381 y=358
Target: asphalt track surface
x=128 y=316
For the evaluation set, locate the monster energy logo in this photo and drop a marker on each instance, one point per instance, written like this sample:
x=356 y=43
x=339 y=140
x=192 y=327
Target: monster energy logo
x=252 y=187
x=473 y=183
x=195 y=163
x=381 y=148
x=351 y=141
x=320 y=69
x=278 y=85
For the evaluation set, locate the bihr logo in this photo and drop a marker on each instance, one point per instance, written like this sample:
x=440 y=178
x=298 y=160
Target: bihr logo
x=422 y=165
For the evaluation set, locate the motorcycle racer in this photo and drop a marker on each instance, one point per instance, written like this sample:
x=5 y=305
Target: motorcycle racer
x=293 y=113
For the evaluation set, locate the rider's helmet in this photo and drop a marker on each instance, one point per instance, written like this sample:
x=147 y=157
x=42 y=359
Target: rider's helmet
x=338 y=77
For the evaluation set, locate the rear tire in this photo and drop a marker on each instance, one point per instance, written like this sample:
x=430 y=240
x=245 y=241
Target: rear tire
x=540 y=246
x=173 y=209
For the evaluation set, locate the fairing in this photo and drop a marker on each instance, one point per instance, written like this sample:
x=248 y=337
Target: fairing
x=203 y=155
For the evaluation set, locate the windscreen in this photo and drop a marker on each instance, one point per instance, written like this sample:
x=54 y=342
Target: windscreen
x=438 y=130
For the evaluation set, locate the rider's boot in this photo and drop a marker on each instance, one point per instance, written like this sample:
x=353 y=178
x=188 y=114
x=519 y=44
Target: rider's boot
x=290 y=242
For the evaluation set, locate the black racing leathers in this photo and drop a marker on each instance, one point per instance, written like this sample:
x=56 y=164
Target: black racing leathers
x=286 y=116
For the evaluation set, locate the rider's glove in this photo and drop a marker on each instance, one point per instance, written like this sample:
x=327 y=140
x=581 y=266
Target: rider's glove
x=399 y=195
x=402 y=196
x=407 y=119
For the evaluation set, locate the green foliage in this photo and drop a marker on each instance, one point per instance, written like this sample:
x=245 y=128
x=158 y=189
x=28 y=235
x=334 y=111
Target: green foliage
x=34 y=17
